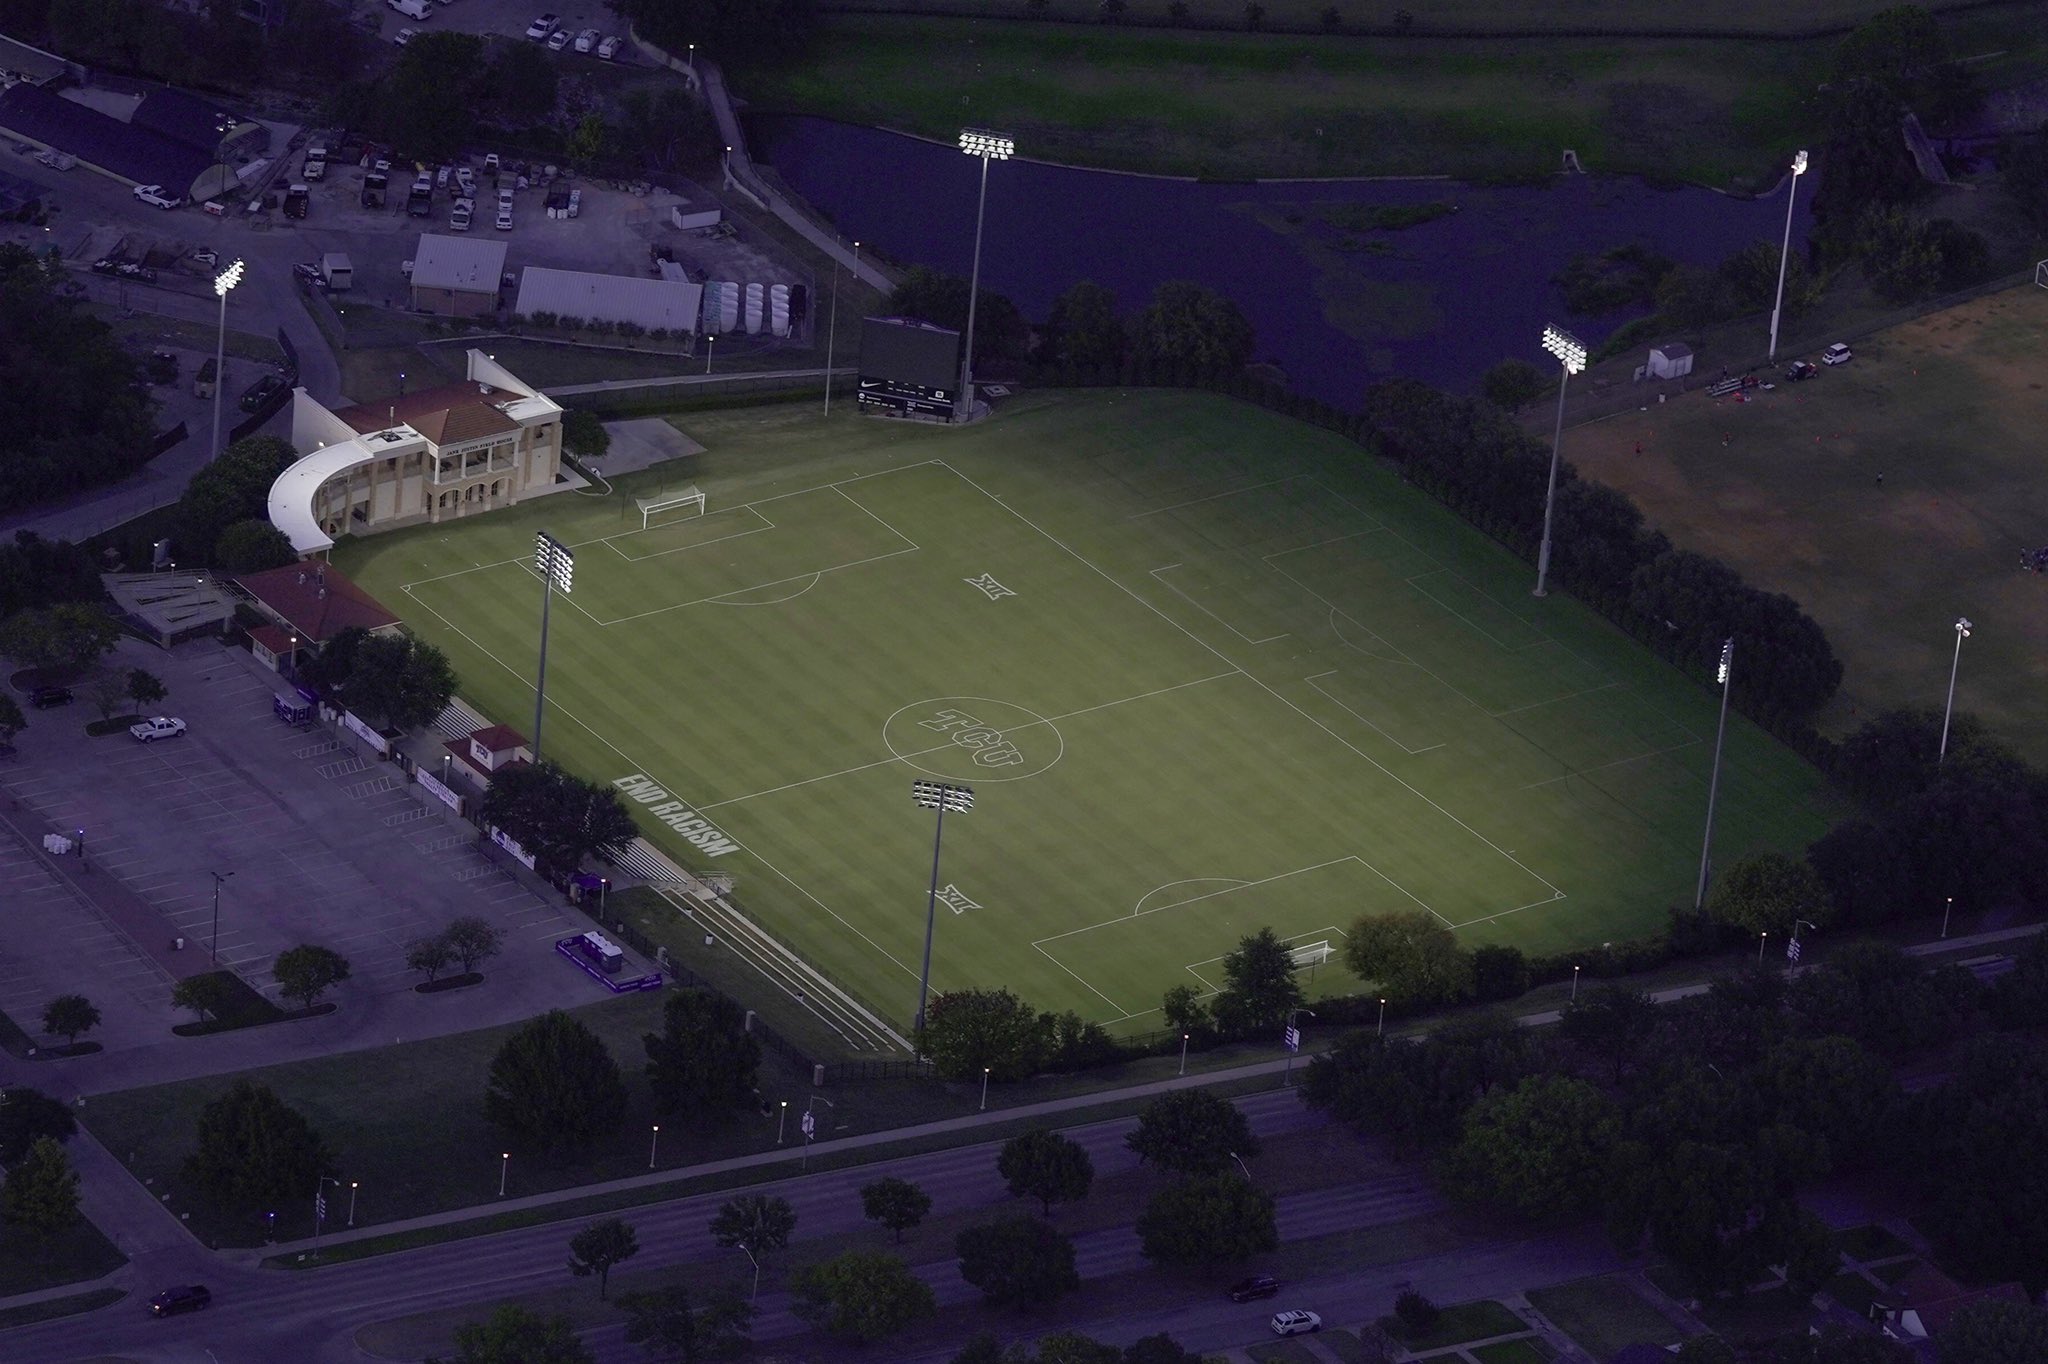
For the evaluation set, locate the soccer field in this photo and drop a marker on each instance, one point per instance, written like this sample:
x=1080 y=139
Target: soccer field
x=1206 y=669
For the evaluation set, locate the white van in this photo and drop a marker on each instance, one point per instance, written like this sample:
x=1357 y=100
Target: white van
x=412 y=9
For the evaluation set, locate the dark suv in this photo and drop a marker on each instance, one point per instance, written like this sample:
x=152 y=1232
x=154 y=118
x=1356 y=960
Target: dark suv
x=1258 y=1286
x=172 y=1301
x=42 y=698
x=1799 y=370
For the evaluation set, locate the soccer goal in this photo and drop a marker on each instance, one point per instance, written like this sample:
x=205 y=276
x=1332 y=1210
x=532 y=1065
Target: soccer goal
x=2041 y=273
x=1310 y=954
x=662 y=503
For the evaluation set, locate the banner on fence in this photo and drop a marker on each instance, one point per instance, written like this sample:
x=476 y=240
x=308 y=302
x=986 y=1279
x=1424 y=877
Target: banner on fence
x=510 y=845
x=364 y=732
x=438 y=791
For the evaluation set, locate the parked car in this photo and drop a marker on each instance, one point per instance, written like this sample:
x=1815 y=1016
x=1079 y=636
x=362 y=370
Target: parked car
x=56 y=160
x=609 y=48
x=491 y=163
x=206 y=256
x=1296 y=1323
x=540 y=28
x=261 y=391
x=42 y=698
x=308 y=274
x=1257 y=1286
x=404 y=36
x=558 y=40
x=465 y=182
x=172 y=1301
x=149 y=731
x=458 y=221
x=586 y=40
x=504 y=219
x=1799 y=370
x=154 y=194
x=106 y=265
x=1837 y=354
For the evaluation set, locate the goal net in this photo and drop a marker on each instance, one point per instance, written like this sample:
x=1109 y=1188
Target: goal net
x=672 y=506
x=1310 y=954
x=2041 y=273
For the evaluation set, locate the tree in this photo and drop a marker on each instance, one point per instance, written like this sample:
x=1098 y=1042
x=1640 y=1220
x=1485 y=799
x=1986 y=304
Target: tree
x=1769 y=892
x=254 y=1150
x=1206 y=1220
x=584 y=435
x=1613 y=1023
x=1969 y=1149
x=522 y=83
x=1085 y=335
x=896 y=1203
x=207 y=995
x=1415 y=1095
x=514 y=1335
x=966 y=1031
x=2023 y=168
x=1413 y=958
x=861 y=1295
x=234 y=487
x=251 y=546
x=38 y=572
x=759 y=1224
x=704 y=1060
x=1046 y=1166
x=400 y=683
x=431 y=955
x=1183 y=1012
x=1833 y=1088
x=308 y=971
x=1540 y=1150
x=40 y=1194
x=554 y=1084
x=145 y=688
x=71 y=636
x=2019 y=998
x=941 y=299
x=1191 y=331
x=1192 y=1132
x=67 y=1016
x=1512 y=385
x=1875 y=993
x=1017 y=1261
x=559 y=818
x=1260 y=987
x=12 y=721
x=472 y=941
x=1499 y=972
x=1994 y=1331
x=26 y=1117
x=600 y=1246
x=424 y=109
x=664 y=1321
x=108 y=689
x=1160 y=1349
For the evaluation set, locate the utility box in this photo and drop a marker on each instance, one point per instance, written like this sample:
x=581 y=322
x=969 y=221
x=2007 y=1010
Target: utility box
x=1672 y=360
x=688 y=217
x=336 y=271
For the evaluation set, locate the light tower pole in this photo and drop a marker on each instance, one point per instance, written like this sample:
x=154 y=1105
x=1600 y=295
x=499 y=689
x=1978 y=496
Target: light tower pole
x=223 y=285
x=940 y=796
x=989 y=147
x=832 y=335
x=1571 y=355
x=1721 y=676
x=1963 y=628
x=1791 y=194
x=557 y=568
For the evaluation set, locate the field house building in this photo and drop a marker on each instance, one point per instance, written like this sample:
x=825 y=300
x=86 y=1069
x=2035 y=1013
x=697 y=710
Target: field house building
x=435 y=455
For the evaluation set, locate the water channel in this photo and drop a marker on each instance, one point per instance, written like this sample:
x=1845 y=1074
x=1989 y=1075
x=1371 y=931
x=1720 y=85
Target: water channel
x=1337 y=305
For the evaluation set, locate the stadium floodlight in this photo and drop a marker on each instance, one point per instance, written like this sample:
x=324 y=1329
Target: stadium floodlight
x=940 y=796
x=1784 y=251
x=223 y=285
x=556 y=565
x=1721 y=676
x=989 y=147
x=1963 y=628
x=1571 y=354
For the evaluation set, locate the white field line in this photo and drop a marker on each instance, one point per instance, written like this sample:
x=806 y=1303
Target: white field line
x=1411 y=752
x=1206 y=611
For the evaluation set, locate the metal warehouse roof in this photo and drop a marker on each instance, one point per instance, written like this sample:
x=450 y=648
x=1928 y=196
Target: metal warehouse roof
x=468 y=265
x=140 y=154
x=19 y=60
x=652 y=303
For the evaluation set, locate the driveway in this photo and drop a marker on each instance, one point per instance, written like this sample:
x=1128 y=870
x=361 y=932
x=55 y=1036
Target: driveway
x=316 y=841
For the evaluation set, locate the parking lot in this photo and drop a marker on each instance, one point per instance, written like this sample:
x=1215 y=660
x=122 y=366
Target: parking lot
x=316 y=842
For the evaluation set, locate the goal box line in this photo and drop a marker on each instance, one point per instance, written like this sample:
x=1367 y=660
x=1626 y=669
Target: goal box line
x=661 y=502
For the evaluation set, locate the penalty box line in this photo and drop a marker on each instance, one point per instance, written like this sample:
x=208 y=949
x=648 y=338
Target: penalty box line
x=1271 y=691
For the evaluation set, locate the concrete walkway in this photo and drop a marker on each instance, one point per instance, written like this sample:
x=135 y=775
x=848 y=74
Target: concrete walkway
x=721 y=377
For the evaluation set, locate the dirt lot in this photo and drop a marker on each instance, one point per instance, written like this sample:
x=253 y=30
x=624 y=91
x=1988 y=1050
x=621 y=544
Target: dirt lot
x=1888 y=495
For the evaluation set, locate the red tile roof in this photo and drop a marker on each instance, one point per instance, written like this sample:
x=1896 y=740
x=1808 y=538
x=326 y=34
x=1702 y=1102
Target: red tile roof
x=446 y=415
x=278 y=641
x=316 y=600
x=499 y=739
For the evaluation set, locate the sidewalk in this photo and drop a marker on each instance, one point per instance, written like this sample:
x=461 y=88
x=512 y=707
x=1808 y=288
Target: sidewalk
x=722 y=377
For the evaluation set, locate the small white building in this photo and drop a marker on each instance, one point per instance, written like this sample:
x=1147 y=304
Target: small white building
x=671 y=304
x=1672 y=360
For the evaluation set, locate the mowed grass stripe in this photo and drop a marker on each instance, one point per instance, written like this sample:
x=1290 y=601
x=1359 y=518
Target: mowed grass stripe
x=1224 y=722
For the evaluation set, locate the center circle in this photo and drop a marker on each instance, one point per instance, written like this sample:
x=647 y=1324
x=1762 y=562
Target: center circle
x=973 y=739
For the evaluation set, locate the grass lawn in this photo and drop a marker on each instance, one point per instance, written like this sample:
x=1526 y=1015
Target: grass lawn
x=1346 y=1346
x=1283 y=1352
x=1756 y=1317
x=1466 y=1321
x=50 y=1309
x=80 y=1253
x=1531 y=1350
x=1208 y=669
x=1603 y=1315
x=1948 y=408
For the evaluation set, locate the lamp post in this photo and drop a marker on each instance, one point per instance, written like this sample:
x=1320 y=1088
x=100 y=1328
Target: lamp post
x=984 y=1089
x=1575 y=984
x=1963 y=628
x=989 y=147
x=1946 y=910
x=757 y=1271
x=832 y=333
x=1761 y=939
x=213 y=943
x=1721 y=675
x=557 y=568
x=1291 y=1038
x=810 y=1123
x=223 y=285
x=710 y=340
x=1184 y=1053
x=940 y=796
x=782 y=1123
x=1791 y=194
x=504 y=1168
x=653 y=1145
x=1571 y=355
x=1382 y=1030
x=353 y=1185
x=1242 y=1166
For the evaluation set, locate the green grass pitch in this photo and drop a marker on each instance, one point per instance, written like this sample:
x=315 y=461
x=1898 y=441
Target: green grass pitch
x=1206 y=668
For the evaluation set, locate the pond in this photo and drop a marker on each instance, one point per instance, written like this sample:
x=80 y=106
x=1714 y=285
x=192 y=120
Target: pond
x=1338 y=302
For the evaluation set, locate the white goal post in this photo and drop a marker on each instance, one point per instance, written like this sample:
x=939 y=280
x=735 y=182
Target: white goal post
x=2041 y=273
x=661 y=502
x=1310 y=954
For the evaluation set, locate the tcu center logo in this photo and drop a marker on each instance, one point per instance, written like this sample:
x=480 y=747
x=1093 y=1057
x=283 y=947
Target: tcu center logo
x=990 y=748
